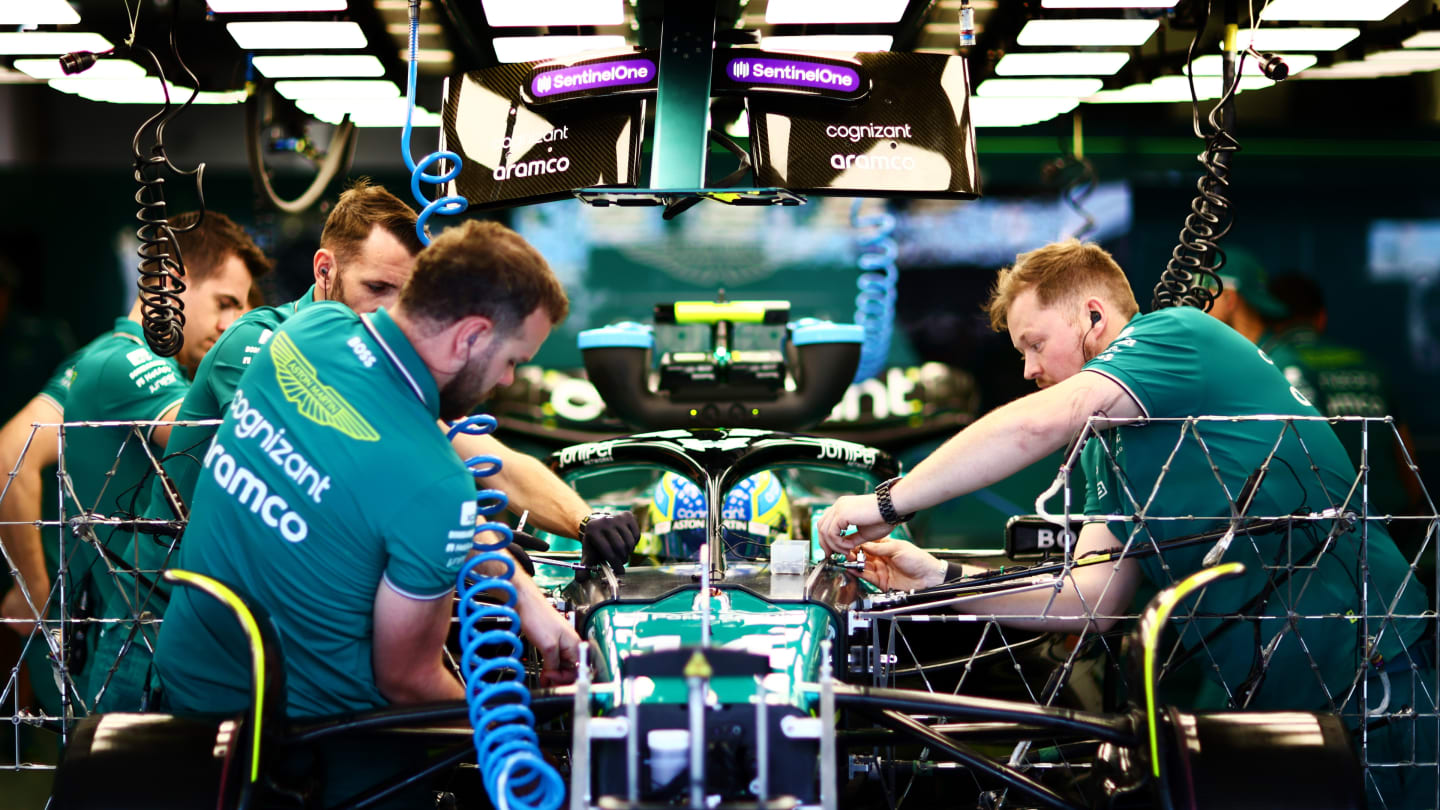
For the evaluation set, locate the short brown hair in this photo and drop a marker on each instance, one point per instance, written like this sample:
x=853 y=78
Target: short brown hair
x=483 y=268
x=362 y=208
x=1061 y=271
x=205 y=247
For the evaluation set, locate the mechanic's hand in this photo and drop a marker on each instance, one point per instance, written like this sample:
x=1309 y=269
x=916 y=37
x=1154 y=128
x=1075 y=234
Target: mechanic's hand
x=859 y=511
x=553 y=635
x=523 y=542
x=15 y=607
x=899 y=565
x=608 y=538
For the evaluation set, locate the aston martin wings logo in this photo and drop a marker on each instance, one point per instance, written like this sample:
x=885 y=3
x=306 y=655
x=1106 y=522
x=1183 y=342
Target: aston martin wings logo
x=314 y=399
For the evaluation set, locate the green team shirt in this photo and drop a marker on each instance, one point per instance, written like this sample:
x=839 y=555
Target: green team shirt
x=210 y=394
x=326 y=478
x=1344 y=381
x=1181 y=362
x=57 y=388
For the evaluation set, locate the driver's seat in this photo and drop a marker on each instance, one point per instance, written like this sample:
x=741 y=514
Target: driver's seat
x=154 y=761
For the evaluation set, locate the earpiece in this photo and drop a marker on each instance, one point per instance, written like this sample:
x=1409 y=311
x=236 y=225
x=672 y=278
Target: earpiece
x=1273 y=67
x=1094 y=318
x=472 y=339
x=325 y=270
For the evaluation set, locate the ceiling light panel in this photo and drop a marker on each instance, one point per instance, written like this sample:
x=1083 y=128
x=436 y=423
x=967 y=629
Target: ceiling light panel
x=536 y=13
x=1214 y=64
x=1016 y=112
x=1109 y=3
x=272 y=6
x=102 y=69
x=1087 y=32
x=531 y=49
x=1062 y=63
x=848 y=43
x=1039 y=88
x=296 y=35
x=1298 y=39
x=792 y=12
x=1330 y=10
x=318 y=66
x=140 y=91
x=40 y=43
x=337 y=88
x=1424 y=39
x=37 y=12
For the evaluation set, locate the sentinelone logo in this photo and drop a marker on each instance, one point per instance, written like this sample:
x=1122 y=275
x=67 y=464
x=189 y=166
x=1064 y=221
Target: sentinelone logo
x=592 y=77
x=792 y=73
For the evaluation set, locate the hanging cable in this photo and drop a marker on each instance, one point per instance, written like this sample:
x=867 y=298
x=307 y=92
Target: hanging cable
x=506 y=747
x=875 y=303
x=449 y=205
x=1192 y=276
x=1077 y=179
x=162 y=268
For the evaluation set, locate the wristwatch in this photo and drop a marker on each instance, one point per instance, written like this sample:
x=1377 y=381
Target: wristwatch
x=887 y=508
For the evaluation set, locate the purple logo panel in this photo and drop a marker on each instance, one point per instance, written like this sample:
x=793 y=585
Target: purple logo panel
x=592 y=77
x=793 y=73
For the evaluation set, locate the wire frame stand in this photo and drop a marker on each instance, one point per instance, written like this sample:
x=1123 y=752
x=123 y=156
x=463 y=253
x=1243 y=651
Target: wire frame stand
x=1092 y=659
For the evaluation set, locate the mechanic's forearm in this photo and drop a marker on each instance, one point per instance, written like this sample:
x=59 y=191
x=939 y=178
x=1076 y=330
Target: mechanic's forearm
x=20 y=509
x=552 y=504
x=1001 y=443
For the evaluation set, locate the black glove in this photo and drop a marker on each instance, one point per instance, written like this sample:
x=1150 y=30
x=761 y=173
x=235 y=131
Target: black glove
x=608 y=538
x=522 y=542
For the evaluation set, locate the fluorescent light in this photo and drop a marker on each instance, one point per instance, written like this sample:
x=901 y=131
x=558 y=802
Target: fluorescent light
x=318 y=66
x=337 y=88
x=1369 y=10
x=849 y=43
x=1017 y=112
x=38 y=12
x=537 y=13
x=1063 y=63
x=403 y=29
x=8 y=76
x=1424 y=39
x=1214 y=64
x=1358 y=70
x=1109 y=3
x=427 y=55
x=331 y=110
x=296 y=35
x=1419 y=58
x=423 y=119
x=139 y=91
x=533 y=49
x=253 y=6
x=1298 y=39
x=1039 y=88
x=787 y=12
x=1169 y=89
x=40 y=43
x=1087 y=32
x=102 y=69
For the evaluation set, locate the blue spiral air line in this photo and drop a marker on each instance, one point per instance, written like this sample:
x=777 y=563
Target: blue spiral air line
x=506 y=748
x=449 y=205
x=875 y=303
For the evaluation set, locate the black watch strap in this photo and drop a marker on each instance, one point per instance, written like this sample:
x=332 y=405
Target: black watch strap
x=887 y=507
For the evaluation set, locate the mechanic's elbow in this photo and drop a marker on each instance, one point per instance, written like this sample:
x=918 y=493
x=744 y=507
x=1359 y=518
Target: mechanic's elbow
x=400 y=689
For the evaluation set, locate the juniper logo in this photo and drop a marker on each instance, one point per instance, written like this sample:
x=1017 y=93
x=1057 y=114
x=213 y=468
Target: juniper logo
x=623 y=73
x=793 y=73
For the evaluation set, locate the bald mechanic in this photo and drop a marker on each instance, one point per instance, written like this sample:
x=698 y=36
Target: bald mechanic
x=121 y=379
x=350 y=542
x=367 y=251
x=1071 y=314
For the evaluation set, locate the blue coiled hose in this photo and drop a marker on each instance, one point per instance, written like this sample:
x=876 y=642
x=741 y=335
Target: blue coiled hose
x=875 y=303
x=506 y=748
x=450 y=205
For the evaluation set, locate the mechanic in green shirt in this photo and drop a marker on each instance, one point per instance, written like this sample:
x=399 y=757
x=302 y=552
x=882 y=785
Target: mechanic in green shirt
x=331 y=500
x=367 y=251
x=121 y=379
x=1341 y=381
x=1071 y=313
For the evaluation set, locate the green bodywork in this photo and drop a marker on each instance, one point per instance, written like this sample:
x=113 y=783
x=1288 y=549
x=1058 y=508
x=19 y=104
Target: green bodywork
x=789 y=634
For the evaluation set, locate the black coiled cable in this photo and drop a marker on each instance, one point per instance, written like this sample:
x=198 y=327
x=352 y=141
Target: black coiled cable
x=1192 y=276
x=162 y=267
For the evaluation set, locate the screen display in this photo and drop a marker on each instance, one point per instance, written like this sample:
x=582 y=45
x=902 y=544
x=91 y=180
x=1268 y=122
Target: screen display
x=883 y=123
x=520 y=145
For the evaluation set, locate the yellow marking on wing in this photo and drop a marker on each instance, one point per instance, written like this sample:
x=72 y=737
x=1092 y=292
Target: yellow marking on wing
x=314 y=399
